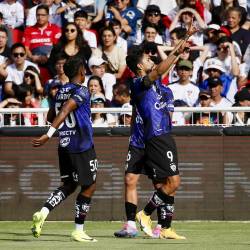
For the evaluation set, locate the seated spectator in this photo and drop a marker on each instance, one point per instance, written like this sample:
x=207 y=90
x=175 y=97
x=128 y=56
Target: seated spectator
x=49 y=95
x=219 y=13
x=97 y=67
x=81 y=20
x=13 y=13
x=214 y=68
x=128 y=15
x=67 y=10
x=121 y=95
x=71 y=44
x=183 y=89
x=40 y=38
x=15 y=71
x=95 y=85
x=13 y=119
x=212 y=35
x=8 y=31
x=111 y=53
x=184 y=18
x=180 y=118
x=152 y=15
x=197 y=5
x=125 y=118
x=4 y=49
x=120 y=41
x=239 y=35
x=100 y=119
x=150 y=33
x=206 y=118
x=242 y=99
x=53 y=17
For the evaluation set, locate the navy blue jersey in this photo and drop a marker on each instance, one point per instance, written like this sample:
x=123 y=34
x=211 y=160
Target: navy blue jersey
x=136 y=130
x=76 y=132
x=154 y=104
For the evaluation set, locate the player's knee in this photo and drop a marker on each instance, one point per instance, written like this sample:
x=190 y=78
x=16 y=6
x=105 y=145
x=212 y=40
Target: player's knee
x=175 y=183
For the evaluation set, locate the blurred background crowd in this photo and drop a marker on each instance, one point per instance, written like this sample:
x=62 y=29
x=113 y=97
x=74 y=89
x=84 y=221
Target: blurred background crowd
x=38 y=36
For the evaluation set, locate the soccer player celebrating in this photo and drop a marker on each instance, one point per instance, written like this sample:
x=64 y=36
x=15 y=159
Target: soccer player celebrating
x=77 y=158
x=154 y=103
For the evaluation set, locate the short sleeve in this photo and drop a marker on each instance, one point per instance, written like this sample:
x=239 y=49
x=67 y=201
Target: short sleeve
x=81 y=96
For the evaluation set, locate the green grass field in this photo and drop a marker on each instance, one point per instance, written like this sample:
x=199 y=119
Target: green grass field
x=55 y=235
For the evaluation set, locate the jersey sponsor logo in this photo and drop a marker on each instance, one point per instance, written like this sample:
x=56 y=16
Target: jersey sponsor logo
x=40 y=40
x=63 y=97
x=64 y=142
x=67 y=133
x=160 y=105
x=130 y=14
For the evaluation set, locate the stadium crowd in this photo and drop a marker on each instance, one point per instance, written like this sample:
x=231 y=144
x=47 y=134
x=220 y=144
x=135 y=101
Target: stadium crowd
x=38 y=36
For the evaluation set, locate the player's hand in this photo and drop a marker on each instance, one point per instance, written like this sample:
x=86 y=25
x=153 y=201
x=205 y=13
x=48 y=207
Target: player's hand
x=40 y=141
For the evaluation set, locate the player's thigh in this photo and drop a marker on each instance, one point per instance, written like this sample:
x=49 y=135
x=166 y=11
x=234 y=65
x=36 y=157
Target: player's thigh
x=161 y=157
x=135 y=161
x=85 y=165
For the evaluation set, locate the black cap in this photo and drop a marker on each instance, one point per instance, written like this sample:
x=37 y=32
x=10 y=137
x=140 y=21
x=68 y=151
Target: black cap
x=213 y=82
x=242 y=95
x=153 y=8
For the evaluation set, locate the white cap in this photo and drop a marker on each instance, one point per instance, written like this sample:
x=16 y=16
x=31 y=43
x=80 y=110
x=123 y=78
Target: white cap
x=214 y=63
x=127 y=106
x=213 y=26
x=95 y=61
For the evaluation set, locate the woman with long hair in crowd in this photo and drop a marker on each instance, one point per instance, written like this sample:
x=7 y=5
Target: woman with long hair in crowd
x=71 y=44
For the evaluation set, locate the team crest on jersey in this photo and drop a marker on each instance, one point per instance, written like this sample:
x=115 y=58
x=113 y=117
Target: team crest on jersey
x=173 y=167
x=64 y=142
x=48 y=33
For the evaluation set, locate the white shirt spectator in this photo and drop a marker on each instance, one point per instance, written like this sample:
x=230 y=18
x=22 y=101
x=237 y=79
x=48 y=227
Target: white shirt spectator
x=188 y=93
x=224 y=103
x=53 y=17
x=90 y=37
x=13 y=14
x=122 y=43
x=15 y=75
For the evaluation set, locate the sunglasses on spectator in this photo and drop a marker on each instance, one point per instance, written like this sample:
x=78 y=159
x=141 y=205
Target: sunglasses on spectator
x=70 y=30
x=26 y=75
x=153 y=14
x=19 y=54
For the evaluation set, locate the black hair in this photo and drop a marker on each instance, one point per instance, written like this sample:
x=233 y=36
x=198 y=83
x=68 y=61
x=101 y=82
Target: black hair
x=224 y=39
x=22 y=90
x=107 y=28
x=179 y=31
x=43 y=7
x=17 y=45
x=1 y=15
x=3 y=29
x=81 y=13
x=80 y=41
x=122 y=89
x=97 y=78
x=160 y=26
x=149 y=25
x=115 y=22
x=60 y=56
x=72 y=66
x=134 y=59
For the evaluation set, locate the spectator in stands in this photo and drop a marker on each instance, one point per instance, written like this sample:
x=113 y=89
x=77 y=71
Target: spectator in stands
x=239 y=35
x=242 y=99
x=98 y=100
x=97 y=67
x=49 y=95
x=40 y=38
x=212 y=35
x=121 y=94
x=152 y=15
x=183 y=89
x=95 y=85
x=71 y=44
x=53 y=17
x=197 y=5
x=67 y=10
x=219 y=13
x=4 y=49
x=120 y=41
x=13 y=119
x=13 y=13
x=112 y=54
x=214 y=68
x=128 y=15
x=150 y=33
x=206 y=118
x=183 y=19
x=226 y=54
x=81 y=20
x=125 y=118
x=15 y=71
